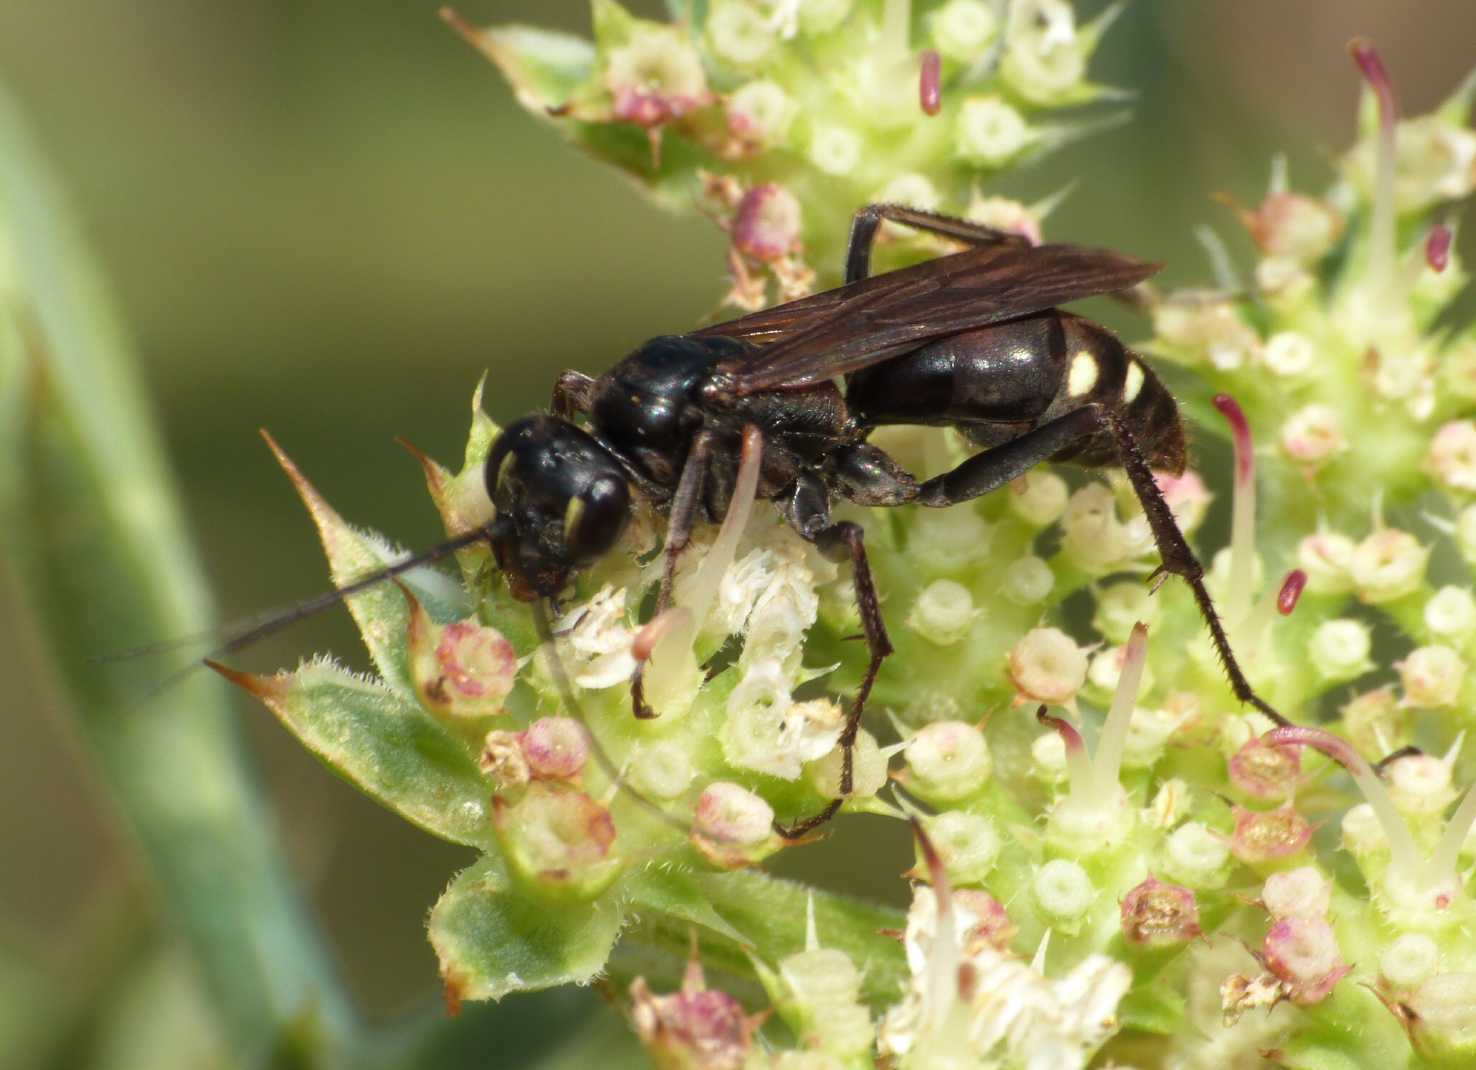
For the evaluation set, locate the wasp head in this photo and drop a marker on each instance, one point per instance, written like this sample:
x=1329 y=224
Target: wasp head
x=562 y=502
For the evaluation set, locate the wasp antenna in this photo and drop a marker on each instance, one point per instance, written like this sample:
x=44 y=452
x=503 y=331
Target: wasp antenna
x=543 y=623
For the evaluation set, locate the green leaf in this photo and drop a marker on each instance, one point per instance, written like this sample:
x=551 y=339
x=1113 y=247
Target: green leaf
x=384 y=743
x=492 y=938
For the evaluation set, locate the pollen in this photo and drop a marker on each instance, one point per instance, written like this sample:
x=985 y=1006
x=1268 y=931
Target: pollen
x=1083 y=375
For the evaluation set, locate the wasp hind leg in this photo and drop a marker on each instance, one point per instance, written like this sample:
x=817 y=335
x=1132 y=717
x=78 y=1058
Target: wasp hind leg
x=807 y=508
x=868 y=220
x=994 y=468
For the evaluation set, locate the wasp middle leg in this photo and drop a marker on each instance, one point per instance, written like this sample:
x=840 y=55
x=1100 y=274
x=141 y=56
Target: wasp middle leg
x=807 y=508
x=868 y=220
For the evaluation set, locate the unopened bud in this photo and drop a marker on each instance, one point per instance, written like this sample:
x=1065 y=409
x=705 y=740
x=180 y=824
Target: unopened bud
x=1042 y=500
x=1048 y=758
x=1156 y=914
x=733 y=826
x=1339 y=649
x=1196 y=856
x=1363 y=835
x=1451 y=613
x=1432 y=677
x=835 y=150
x=967 y=843
x=1452 y=457
x=949 y=540
x=760 y=114
x=1313 y=435
x=963 y=29
x=1047 y=666
x=1389 y=564
x=1270 y=835
x=1327 y=560
x=1420 y=784
x=1027 y=580
x=1294 y=226
x=948 y=761
x=1148 y=735
x=1063 y=893
x=1304 y=954
x=1290 y=354
x=1095 y=540
x=556 y=748
x=1297 y=893
x=1409 y=961
x=1044 y=63
x=990 y=133
x=1120 y=606
x=661 y=770
x=943 y=613
x=739 y=35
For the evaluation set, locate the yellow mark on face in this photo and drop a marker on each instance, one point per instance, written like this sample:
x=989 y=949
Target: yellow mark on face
x=1133 y=383
x=503 y=468
x=1083 y=374
x=573 y=513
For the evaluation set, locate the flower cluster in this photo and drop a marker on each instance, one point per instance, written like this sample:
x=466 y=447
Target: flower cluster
x=1115 y=861
x=759 y=113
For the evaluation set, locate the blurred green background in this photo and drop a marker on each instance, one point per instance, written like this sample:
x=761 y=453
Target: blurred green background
x=329 y=218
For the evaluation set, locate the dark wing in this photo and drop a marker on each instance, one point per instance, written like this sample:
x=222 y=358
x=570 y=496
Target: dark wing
x=843 y=330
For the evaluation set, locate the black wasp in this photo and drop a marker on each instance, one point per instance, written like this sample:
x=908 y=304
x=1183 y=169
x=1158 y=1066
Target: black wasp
x=973 y=340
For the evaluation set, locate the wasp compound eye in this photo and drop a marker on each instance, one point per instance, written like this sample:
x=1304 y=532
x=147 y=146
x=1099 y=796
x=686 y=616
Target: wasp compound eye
x=594 y=519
